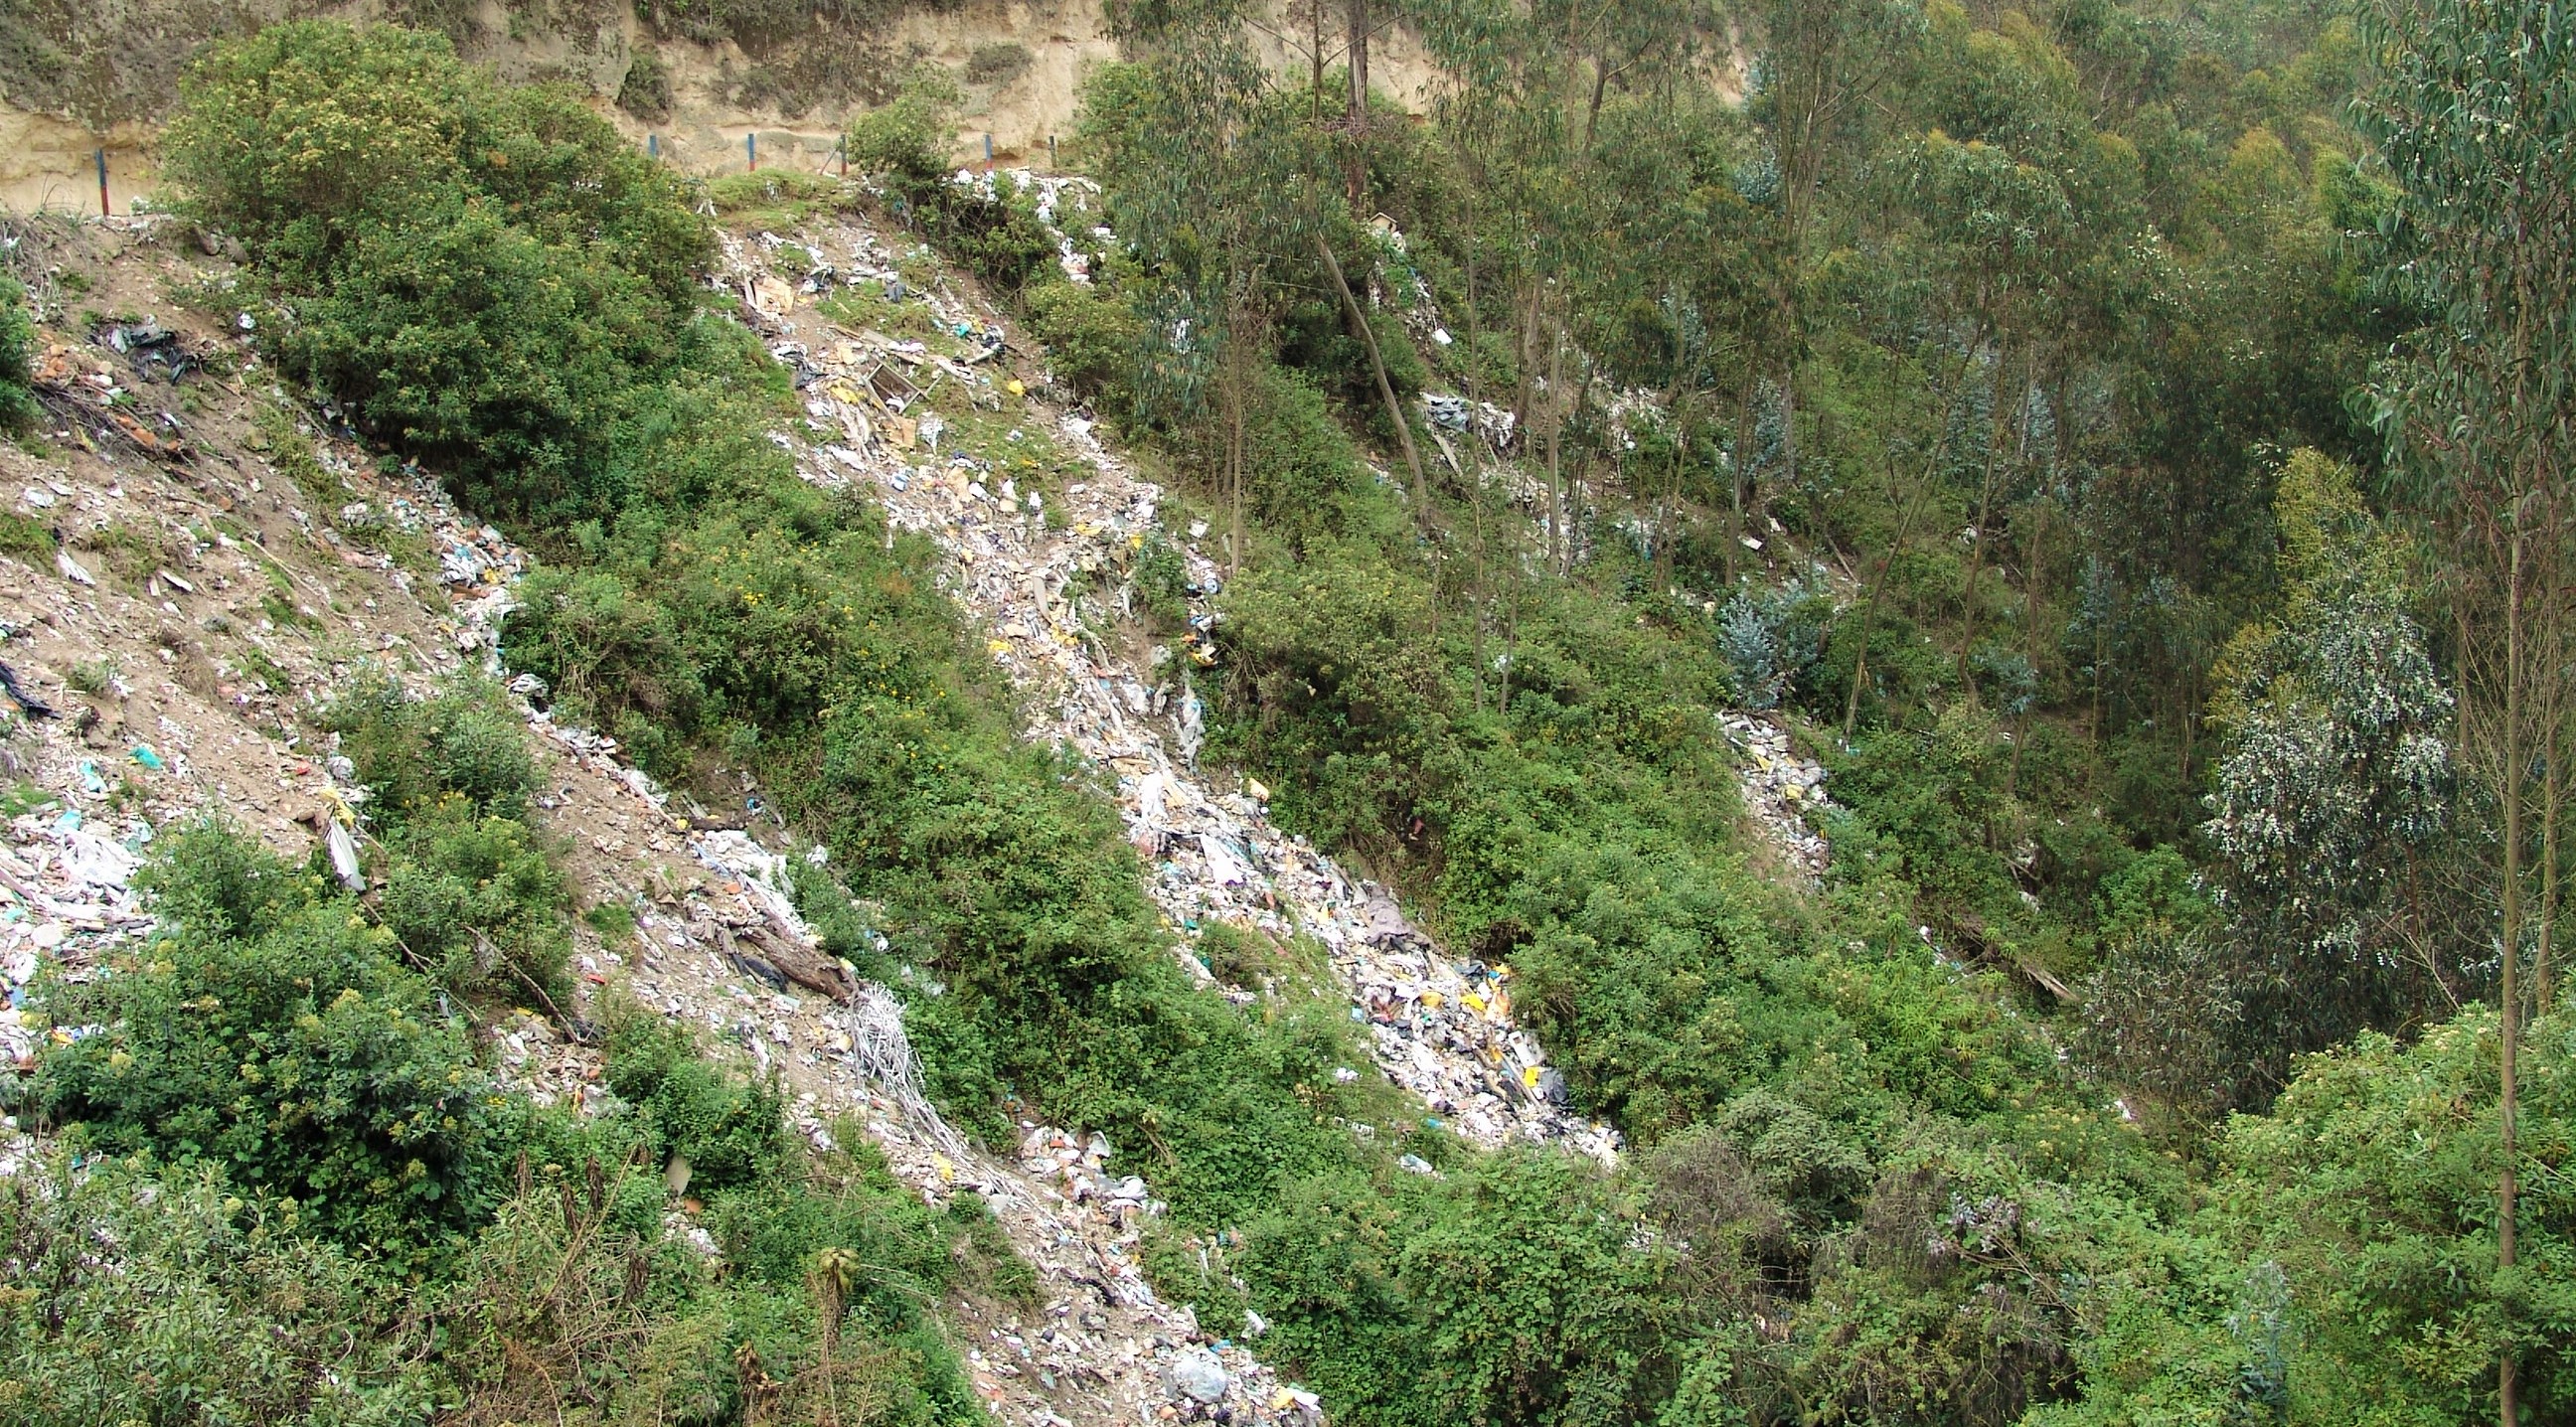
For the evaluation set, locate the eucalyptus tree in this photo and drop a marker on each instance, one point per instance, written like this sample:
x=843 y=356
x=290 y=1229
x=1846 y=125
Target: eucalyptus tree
x=1815 y=86
x=2334 y=783
x=1527 y=88
x=1207 y=168
x=2472 y=104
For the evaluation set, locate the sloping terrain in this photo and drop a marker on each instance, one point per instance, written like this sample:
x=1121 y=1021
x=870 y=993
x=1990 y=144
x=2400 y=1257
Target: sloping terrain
x=228 y=559
x=211 y=587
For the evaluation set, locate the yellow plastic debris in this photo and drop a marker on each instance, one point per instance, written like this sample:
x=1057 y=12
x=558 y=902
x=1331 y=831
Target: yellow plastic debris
x=997 y=646
x=339 y=810
x=1431 y=1000
x=1529 y=1077
x=1014 y=388
x=947 y=1171
x=1472 y=1001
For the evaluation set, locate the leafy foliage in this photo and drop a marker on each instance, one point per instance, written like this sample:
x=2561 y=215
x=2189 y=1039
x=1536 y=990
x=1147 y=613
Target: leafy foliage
x=17 y=355
x=490 y=277
x=135 y=1297
x=270 y=1033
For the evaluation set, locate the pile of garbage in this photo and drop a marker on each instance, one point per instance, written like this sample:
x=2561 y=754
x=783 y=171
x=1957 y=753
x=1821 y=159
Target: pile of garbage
x=1782 y=791
x=722 y=946
x=66 y=898
x=1210 y=1379
x=1021 y=562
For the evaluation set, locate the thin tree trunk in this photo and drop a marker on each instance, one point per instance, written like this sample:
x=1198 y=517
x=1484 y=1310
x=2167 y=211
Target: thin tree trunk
x=1385 y=388
x=1475 y=483
x=1236 y=338
x=2030 y=644
x=1788 y=424
x=1358 y=114
x=2510 y=786
x=1669 y=501
x=1315 y=86
x=1977 y=529
x=1869 y=591
x=2553 y=748
x=1600 y=87
x=1735 y=475
x=1560 y=543
x=1524 y=362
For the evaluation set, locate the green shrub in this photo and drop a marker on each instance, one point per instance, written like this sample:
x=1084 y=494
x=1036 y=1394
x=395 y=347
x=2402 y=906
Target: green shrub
x=1162 y=580
x=491 y=277
x=482 y=349
x=136 y=1297
x=478 y=906
x=27 y=539
x=998 y=63
x=17 y=356
x=645 y=92
x=415 y=754
x=730 y=1131
x=1090 y=338
x=998 y=236
x=268 y=1033
x=904 y=142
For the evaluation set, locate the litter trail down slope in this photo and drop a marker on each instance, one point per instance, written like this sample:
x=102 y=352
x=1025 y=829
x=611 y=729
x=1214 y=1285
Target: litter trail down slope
x=172 y=727
x=1440 y=1026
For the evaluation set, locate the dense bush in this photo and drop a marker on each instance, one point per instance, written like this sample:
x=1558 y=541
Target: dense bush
x=491 y=277
x=269 y=1032
x=135 y=1297
x=1090 y=338
x=296 y=1122
x=17 y=355
x=471 y=896
x=2346 y=1259
x=904 y=142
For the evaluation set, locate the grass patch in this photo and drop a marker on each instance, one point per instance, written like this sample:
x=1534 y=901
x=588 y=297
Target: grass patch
x=779 y=198
x=27 y=538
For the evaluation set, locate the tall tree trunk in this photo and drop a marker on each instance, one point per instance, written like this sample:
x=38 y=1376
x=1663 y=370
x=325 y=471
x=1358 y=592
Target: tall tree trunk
x=1735 y=474
x=1315 y=55
x=2553 y=749
x=1385 y=389
x=1869 y=590
x=1236 y=339
x=1357 y=116
x=1475 y=483
x=1788 y=425
x=1977 y=528
x=1600 y=87
x=2030 y=644
x=1669 y=501
x=1526 y=362
x=2552 y=675
x=1561 y=545
x=2510 y=787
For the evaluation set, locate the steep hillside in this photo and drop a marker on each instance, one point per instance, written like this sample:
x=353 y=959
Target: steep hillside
x=229 y=564
x=1858 y=747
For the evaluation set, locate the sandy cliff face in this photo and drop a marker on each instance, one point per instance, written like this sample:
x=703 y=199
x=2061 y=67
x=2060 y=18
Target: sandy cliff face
x=78 y=76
